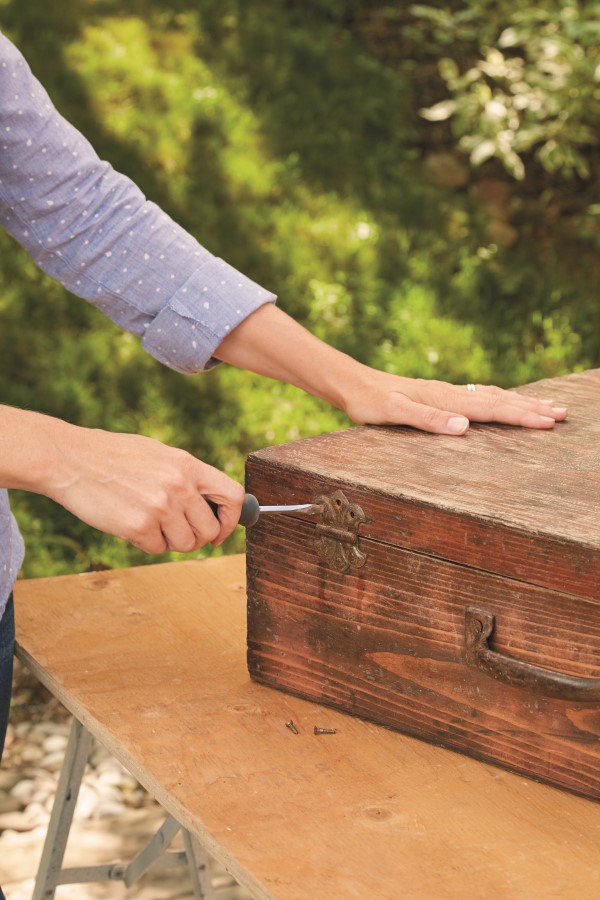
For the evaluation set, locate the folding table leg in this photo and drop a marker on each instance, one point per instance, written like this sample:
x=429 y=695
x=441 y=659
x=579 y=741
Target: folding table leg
x=199 y=867
x=50 y=872
x=78 y=748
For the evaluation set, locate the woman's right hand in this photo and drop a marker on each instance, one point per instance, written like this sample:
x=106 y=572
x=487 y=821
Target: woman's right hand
x=146 y=492
x=128 y=485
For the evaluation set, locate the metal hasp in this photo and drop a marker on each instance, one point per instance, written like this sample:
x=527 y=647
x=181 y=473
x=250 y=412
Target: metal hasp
x=337 y=532
x=479 y=626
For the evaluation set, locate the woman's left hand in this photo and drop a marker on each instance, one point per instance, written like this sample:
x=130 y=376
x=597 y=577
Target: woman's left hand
x=271 y=343
x=442 y=408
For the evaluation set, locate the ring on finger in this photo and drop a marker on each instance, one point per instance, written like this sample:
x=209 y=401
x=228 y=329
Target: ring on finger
x=471 y=388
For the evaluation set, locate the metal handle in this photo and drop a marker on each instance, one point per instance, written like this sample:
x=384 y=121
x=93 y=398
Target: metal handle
x=479 y=626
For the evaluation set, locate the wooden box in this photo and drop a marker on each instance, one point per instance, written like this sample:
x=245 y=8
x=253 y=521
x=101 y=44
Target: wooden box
x=450 y=588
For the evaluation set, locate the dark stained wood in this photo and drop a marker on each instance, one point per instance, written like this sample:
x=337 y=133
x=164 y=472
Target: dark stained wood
x=505 y=520
x=516 y=502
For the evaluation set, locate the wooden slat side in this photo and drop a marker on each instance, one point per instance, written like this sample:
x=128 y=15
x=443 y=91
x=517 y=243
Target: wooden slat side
x=385 y=642
x=473 y=540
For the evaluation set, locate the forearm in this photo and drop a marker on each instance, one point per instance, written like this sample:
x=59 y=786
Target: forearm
x=271 y=343
x=30 y=450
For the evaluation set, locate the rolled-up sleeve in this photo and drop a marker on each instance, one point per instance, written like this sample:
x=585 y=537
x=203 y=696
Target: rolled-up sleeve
x=93 y=230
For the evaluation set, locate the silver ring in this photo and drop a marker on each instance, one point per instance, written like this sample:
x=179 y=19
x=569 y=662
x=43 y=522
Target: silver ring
x=471 y=387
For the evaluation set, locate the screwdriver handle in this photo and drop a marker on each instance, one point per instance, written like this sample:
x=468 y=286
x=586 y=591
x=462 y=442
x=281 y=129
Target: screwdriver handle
x=249 y=514
x=250 y=511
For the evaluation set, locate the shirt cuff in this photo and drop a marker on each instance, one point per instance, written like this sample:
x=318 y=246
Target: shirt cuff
x=207 y=307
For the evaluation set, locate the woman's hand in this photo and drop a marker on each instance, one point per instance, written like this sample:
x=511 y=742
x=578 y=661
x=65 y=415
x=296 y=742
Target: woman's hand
x=125 y=484
x=271 y=343
x=382 y=399
x=146 y=492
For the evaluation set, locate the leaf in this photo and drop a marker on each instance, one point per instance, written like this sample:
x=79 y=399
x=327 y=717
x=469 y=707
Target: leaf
x=514 y=164
x=439 y=112
x=509 y=38
x=484 y=150
x=448 y=69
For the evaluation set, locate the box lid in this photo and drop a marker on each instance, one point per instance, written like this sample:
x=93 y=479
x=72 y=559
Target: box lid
x=516 y=502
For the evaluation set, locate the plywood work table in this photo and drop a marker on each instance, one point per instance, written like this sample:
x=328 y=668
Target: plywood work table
x=152 y=661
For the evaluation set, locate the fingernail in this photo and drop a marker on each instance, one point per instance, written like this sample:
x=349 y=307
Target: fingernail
x=458 y=425
x=559 y=409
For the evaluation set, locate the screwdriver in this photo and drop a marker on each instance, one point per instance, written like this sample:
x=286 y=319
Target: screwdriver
x=252 y=510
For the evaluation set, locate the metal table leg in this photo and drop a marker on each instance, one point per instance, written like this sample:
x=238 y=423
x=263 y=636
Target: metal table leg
x=50 y=872
x=198 y=863
x=76 y=754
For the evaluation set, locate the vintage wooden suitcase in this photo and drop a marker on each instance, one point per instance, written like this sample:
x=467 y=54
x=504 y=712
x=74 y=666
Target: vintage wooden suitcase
x=450 y=588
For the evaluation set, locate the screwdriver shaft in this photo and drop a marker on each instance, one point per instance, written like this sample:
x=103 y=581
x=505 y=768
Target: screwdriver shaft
x=251 y=509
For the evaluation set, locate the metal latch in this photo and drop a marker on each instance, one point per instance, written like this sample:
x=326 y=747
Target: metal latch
x=337 y=533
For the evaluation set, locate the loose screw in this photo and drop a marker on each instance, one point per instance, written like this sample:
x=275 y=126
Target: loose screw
x=318 y=730
x=292 y=727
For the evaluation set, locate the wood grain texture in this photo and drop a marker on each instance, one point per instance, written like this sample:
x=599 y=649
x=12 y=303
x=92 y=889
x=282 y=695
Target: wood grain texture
x=505 y=520
x=152 y=660
x=387 y=642
x=512 y=501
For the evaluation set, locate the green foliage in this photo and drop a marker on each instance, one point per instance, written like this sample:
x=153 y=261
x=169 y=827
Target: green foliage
x=531 y=83
x=286 y=136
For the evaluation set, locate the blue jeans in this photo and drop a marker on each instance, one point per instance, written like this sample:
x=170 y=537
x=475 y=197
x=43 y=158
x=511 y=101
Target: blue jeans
x=7 y=646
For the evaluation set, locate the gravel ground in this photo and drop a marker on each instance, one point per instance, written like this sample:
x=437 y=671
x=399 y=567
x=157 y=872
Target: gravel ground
x=113 y=819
